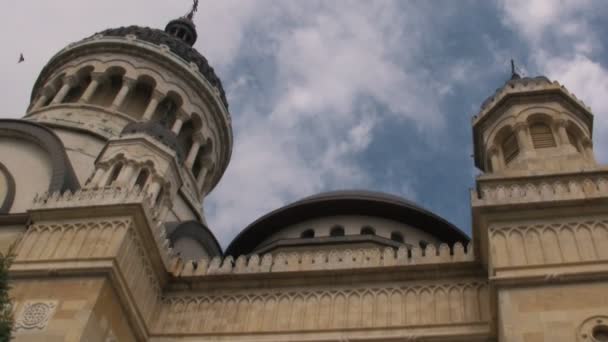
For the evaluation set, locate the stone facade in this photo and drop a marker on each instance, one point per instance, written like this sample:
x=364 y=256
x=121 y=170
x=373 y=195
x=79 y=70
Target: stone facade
x=102 y=182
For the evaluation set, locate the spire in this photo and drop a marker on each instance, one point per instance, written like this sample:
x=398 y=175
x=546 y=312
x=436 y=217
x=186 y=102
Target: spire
x=514 y=74
x=194 y=9
x=183 y=28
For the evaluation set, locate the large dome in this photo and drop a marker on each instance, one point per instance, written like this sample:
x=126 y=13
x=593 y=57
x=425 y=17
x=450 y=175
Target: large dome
x=352 y=203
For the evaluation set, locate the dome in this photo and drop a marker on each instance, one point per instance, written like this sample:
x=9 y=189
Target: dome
x=203 y=242
x=157 y=37
x=349 y=203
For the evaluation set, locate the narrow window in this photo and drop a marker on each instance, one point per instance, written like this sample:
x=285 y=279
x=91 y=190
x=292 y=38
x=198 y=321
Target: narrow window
x=337 y=231
x=142 y=178
x=115 y=174
x=423 y=244
x=367 y=230
x=510 y=149
x=542 y=137
x=307 y=234
x=397 y=237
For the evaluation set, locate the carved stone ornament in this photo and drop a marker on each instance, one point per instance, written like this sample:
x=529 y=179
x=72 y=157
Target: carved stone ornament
x=594 y=329
x=35 y=315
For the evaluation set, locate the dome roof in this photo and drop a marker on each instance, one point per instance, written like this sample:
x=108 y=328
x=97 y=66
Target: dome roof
x=349 y=202
x=197 y=231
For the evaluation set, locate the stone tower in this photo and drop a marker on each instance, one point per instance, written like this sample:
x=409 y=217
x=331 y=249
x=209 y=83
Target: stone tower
x=539 y=212
x=139 y=134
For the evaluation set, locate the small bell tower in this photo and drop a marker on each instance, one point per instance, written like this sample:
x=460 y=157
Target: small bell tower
x=539 y=208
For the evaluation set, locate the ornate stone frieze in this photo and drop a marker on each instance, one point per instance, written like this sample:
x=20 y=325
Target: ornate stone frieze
x=549 y=243
x=109 y=196
x=456 y=303
x=542 y=189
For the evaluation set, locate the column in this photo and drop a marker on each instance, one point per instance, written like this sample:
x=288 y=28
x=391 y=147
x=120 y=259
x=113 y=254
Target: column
x=154 y=188
x=494 y=158
x=68 y=82
x=96 y=80
x=588 y=148
x=119 y=100
x=202 y=175
x=561 y=124
x=99 y=172
x=152 y=105
x=523 y=139
x=196 y=145
x=46 y=94
x=179 y=122
x=126 y=174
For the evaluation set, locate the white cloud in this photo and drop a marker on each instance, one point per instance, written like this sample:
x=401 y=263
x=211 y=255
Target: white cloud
x=564 y=47
x=334 y=64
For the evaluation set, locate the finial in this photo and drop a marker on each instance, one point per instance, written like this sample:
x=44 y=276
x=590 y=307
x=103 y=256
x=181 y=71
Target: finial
x=514 y=74
x=194 y=9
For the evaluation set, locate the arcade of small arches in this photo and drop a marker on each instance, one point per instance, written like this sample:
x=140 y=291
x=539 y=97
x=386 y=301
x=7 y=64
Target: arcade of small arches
x=338 y=231
x=141 y=100
x=537 y=132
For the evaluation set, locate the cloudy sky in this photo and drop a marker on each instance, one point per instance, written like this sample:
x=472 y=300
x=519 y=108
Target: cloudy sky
x=336 y=94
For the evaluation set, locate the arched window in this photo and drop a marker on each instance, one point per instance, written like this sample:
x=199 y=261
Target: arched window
x=397 y=237
x=423 y=244
x=307 y=234
x=166 y=111
x=142 y=178
x=510 y=149
x=76 y=92
x=139 y=97
x=542 y=136
x=336 y=231
x=367 y=230
x=114 y=174
x=106 y=92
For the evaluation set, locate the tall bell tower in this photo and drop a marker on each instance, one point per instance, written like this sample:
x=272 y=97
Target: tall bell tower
x=140 y=133
x=540 y=213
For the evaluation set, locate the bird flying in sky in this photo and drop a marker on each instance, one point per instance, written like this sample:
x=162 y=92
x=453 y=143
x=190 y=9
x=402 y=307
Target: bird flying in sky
x=21 y=59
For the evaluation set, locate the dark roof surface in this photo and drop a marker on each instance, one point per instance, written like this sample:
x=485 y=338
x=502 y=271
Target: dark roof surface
x=349 y=202
x=196 y=231
x=177 y=46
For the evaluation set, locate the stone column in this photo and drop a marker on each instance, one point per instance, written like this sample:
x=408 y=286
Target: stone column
x=179 y=122
x=126 y=174
x=196 y=145
x=202 y=175
x=495 y=158
x=68 y=83
x=154 y=188
x=523 y=138
x=560 y=125
x=152 y=105
x=99 y=172
x=96 y=80
x=119 y=100
x=46 y=93
x=107 y=172
x=588 y=149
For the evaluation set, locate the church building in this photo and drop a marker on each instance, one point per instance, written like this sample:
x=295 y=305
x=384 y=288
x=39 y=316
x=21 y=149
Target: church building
x=103 y=180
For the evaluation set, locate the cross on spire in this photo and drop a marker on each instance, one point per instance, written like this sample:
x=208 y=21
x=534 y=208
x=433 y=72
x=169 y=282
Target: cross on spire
x=514 y=74
x=194 y=9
